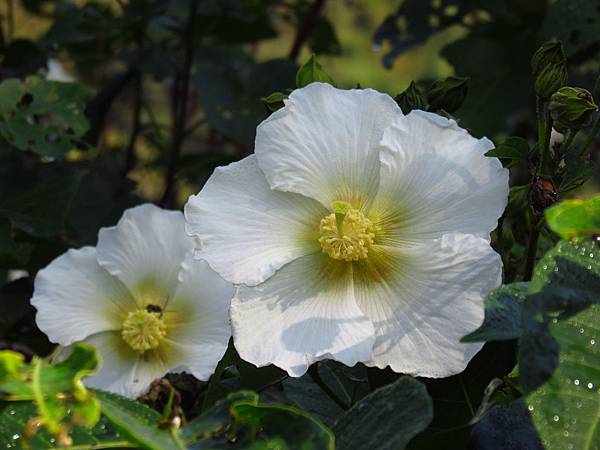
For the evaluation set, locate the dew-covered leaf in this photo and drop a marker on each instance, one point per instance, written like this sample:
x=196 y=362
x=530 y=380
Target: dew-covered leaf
x=503 y=307
x=138 y=423
x=566 y=409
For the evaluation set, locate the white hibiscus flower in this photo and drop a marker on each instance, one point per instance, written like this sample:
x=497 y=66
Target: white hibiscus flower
x=355 y=233
x=140 y=299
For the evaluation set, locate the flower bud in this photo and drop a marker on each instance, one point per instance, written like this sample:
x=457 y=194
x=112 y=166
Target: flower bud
x=410 y=99
x=549 y=66
x=572 y=108
x=448 y=94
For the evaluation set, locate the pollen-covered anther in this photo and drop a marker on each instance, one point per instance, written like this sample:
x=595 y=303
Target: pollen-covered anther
x=346 y=236
x=143 y=330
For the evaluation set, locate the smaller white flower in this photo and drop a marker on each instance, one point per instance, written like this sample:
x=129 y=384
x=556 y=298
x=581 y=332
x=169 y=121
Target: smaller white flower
x=140 y=299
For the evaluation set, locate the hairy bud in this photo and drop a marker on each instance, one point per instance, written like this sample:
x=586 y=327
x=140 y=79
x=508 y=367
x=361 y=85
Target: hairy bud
x=549 y=66
x=411 y=98
x=572 y=108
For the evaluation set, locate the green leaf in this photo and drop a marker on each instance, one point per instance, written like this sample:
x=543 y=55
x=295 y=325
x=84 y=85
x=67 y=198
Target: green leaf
x=16 y=417
x=59 y=395
x=12 y=254
x=572 y=218
x=387 y=418
x=312 y=71
x=574 y=22
x=216 y=417
x=138 y=423
x=46 y=118
x=16 y=376
x=511 y=148
x=457 y=399
x=503 y=308
x=274 y=101
x=285 y=424
x=566 y=410
x=36 y=199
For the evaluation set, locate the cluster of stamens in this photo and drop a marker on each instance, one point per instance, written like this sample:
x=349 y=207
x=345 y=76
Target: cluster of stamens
x=143 y=329
x=346 y=234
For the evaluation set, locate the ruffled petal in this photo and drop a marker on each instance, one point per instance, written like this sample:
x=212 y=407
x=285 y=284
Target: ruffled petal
x=435 y=179
x=246 y=230
x=304 y=313
x=145 y=250
x=198 y=319
x=324 y=143
x=124 y=371
x=423 y=299
x=75 y=298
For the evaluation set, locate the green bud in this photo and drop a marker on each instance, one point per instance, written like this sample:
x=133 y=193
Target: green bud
x=572 y=108
x=549 y=67
x=448 y=94
x=411 y=98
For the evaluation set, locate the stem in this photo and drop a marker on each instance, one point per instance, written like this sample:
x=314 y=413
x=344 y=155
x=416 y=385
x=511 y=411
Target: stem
x=306 y=28
x=130 y=158
x=566 y=143
x=544 y=129
x=531 y=251
x=180 y=105
x=313 y=371
x=100 y=445
x=590 y=139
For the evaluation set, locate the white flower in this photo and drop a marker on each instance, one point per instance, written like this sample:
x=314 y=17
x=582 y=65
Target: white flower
x=355 y=233
x=140 y=299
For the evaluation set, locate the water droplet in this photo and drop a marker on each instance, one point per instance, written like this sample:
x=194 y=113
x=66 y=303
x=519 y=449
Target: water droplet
x=566 y=433
x=589 y=267
x=581 y=330
x=591 y=255
x=556 y=418
x=592 y=341
x=12 y=412
x=545 y=267
x=555 y=320
x=576 y=382
x=590 y=385
x=15 y=437
x=530 y=407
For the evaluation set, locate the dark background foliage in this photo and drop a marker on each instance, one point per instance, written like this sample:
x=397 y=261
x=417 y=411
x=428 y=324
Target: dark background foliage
x=167 y=90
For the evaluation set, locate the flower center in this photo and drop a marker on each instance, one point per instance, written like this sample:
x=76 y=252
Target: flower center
x=143 y=329
x=346 y=233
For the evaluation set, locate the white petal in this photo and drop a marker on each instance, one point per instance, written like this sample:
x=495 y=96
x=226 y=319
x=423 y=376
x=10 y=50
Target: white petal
x=75 y=298
x=435 y=179
x=324 y=143
x=246 y=230
x=423 y=299
x=124 y=371
x=145 y=249
x=304 y=313
x=201 y=332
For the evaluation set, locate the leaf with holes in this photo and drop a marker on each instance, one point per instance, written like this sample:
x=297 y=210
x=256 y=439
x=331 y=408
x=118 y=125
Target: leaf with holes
x=43 y=116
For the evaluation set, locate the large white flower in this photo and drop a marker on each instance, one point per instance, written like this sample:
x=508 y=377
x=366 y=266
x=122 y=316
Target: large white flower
x=140 y=299
x=356 y=233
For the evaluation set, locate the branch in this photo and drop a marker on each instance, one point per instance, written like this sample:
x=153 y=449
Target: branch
x=130 y=158
x=306 y=28
x=180 y=104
